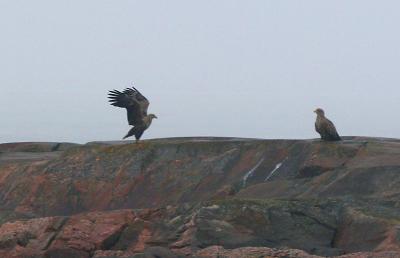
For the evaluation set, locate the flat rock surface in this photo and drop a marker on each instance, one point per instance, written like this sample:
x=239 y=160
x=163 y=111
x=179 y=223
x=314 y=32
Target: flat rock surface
x=196 y=197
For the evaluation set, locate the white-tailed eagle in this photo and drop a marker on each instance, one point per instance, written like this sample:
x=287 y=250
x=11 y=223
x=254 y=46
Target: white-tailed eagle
x=325 y=127
x=136 y=105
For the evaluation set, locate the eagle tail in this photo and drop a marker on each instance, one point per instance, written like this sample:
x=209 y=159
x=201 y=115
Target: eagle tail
x=137 y=131
x=130 y=133
x=334 y=138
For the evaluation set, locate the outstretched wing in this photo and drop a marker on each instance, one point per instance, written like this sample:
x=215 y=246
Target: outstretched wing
x=135 y=103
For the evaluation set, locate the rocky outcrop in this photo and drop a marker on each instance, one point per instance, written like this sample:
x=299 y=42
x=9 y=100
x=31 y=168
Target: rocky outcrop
x=201 y=197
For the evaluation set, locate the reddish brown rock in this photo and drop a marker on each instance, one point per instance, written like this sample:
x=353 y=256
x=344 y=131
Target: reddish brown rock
x=373 y=255
x=161 y=173
x=258 y=252
x=92 y=231
x=28 y=237
x=362 y=231
x=251 y=252
x=189 y=194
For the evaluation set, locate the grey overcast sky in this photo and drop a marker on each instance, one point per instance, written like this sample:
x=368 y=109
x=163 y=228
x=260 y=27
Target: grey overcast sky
x=210 y=68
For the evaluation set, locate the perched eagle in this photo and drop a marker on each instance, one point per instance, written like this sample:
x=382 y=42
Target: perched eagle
x=136 y=106
x=325 y=127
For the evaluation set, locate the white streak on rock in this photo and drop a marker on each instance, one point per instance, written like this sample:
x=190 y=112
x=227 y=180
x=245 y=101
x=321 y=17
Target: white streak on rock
x=275 y=169
x=250 y=173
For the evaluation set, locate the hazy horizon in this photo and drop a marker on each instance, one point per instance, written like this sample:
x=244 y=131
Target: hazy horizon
x=229 y=68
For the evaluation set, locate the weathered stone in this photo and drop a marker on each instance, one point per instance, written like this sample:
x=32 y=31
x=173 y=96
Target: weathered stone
x=185 y=195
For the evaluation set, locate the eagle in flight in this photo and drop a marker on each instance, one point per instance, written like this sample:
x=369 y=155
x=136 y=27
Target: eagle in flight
x=136 y=106
x=325 y=127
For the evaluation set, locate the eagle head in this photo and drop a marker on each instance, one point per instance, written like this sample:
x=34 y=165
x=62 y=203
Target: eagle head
x=152 y=116
x=319 y=112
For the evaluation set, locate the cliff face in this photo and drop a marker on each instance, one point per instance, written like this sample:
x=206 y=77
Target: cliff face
x=191 y=195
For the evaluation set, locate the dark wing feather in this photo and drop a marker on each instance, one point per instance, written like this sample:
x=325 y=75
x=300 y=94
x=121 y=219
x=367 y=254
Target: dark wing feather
x=139 y=98
x=327 y=130
x=134 y=102
x=331 y=130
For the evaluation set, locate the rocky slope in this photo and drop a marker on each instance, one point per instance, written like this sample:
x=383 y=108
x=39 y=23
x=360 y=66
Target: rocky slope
x=201 y=197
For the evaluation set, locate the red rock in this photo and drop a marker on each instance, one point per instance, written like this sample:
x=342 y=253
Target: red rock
x=373 y=255
x=323 y=198
x=358 y=231
x=92 y=231
x=218 y=251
